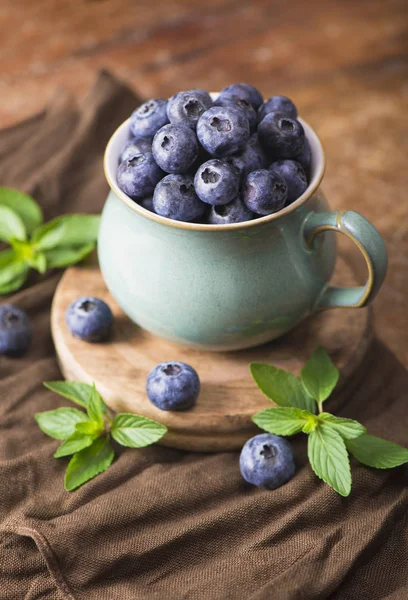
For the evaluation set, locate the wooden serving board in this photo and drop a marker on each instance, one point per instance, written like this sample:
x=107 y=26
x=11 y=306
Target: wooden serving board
x=221 y=419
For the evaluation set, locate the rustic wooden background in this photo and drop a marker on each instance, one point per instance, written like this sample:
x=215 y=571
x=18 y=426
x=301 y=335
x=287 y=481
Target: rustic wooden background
x=345 y=63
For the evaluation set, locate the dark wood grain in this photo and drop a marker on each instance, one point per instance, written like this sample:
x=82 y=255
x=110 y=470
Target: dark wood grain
x=345 y=63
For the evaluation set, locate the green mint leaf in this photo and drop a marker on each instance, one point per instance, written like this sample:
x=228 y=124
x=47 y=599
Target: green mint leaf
x=24 y=205
x=60 y=423
x=12 y=271
x=88 y=463
x=328 y=458
x=14 y=285
x=347 y=428
x=284 y=388
x=376 y=452
x=65 y=256
x=39 y=262
x=75 y=391
x=135 y=431
x=319 y=375
x=76 y=442
x=67 y=230
x=281 y=421
x=11 y=225
x=96 y=406
x=90 y=428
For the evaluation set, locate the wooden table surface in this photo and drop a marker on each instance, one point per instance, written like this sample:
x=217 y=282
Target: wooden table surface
x=345 y=63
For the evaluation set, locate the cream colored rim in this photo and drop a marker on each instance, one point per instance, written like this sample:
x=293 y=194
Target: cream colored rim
x=110 y=166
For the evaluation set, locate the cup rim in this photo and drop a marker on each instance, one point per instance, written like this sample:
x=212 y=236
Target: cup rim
x=317 y=153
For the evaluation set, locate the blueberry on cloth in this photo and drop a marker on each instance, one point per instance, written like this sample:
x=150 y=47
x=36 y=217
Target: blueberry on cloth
x=173 y=386
x=234 y=212
x=15 y=330
x=138 y=175
x=187 y=107
x=89 y=319
x=216 y=182
x=175 y=198
x=175 y=148
x=293 y=174
x=149 y=117
x=281 y=136
x=267 y=461
x=223 y=131
x=280 y=104
x=244 y=91
x=264 y=192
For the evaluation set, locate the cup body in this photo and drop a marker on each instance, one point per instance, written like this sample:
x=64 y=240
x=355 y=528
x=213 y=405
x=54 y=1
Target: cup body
x=214 y=287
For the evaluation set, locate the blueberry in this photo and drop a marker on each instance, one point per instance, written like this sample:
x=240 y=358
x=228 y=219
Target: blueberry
x=267 y=461
x=294 y=175
x=251 y=158
x=148 y=118
x=173 y=386
x=175 y=148
x=15 y=330
x=216 y=182
x=264 y=192
x=305 y=157
x=147 y=203
x=187 y=107
x=242 y=104
x=89 y=319
x=234 y=212
x=175 y=198
x=281 y=136
x=223 y=131
x=243 y=91
x=138 y=176
x=135 y=146
x=280 y=104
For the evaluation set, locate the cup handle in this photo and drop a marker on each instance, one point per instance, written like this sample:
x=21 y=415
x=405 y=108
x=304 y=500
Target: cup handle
x=370 y=244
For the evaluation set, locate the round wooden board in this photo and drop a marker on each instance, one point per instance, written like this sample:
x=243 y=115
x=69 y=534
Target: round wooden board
x=221 y=420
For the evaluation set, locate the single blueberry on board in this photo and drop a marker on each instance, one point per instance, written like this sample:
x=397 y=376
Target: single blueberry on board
x=216 y=182
x=264 y=192
x=280 y=104
x=226 y=214
x=173 y=386
x=267 y=461
x=135 y=146
x=223 y=131
x=242 y=104
x=175 y=148
x=305 y=157
x=187 y=107
x=251 y=158
x=281 y=136
x=148 y=118
x=244 y=92
x=15 y=330
x=89 y=319
x=293 y=174
x=138 y=175
x=175 y=198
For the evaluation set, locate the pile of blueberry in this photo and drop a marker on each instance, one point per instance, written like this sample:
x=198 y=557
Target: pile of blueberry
x=224 y=161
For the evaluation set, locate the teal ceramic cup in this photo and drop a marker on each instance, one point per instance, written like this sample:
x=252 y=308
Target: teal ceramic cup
x=232 y=286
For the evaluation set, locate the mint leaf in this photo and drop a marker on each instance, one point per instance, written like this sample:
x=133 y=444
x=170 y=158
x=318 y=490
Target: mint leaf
x=60 y=423
x=90 y=428
x=284 y=388
x=67 y=230
x=319 y=375
x=65 y=256
x=347 y=428
x=88 y=463
x=11 y=226
x=24 y=205
x=76 y=442
x=17 y=282
x=75 y=391
x=96 y=406
x=38 y=262
x=328 y=458
x=12 y=270
x=281 y=421
x=135 y=431
x=376 y=452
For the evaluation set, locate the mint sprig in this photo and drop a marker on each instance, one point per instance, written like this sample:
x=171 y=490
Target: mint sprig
x=64 y=241
x=86 y=436
x=331 y=439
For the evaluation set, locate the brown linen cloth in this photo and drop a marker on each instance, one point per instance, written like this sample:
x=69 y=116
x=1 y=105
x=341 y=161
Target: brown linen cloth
x=161 y=523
